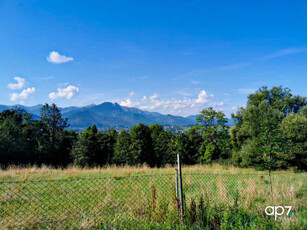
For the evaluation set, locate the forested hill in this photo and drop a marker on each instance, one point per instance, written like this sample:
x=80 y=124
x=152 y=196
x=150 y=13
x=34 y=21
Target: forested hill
x=109 y=115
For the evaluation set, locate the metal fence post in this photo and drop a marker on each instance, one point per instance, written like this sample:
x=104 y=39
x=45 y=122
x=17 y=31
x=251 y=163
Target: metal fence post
x=176 y=178
x=180 y=189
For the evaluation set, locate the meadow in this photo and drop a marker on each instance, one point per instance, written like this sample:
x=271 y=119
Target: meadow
x=216 y=197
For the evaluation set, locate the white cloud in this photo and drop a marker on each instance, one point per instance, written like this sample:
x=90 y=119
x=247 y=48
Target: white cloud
x=203 y=97
x=233 y=108
x=154 y=97
x=55 y=57
x=62 y=85
x=184 y=106
x=67 y=93
x=23 y=95
x=246 y=91
x=218 y=104
x=21 y=83
x=169 y=106
x=283 y=53
x=185 y=93
x=129 y=103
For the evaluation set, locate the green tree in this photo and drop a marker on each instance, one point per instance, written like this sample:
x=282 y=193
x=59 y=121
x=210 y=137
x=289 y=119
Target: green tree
x=106 y=142
x=262 y=124
x=17 y=137
x=294 y=127
x=212 y=127
x=279 y=98
x=165 y=140
x=81 y=153
x=238 y=135
x=210 y=152
x=67 y=141
x=54 y=123
x=182 y=147
x=162 y=147
x=257 y=135
x=195 y=141
x=187 y=144
x=122 y=150
x=86 y=151
x=303 y=111
x=141 y=146
x=53 y=126
x=249 y=154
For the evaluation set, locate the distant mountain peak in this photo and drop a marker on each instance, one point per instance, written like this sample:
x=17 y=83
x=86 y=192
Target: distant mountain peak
x=109 y=114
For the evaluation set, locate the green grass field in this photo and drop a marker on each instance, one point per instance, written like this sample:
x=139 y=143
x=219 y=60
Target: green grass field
x=216 y=197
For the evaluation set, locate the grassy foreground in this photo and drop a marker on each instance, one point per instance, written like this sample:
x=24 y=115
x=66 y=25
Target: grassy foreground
x=216 y=197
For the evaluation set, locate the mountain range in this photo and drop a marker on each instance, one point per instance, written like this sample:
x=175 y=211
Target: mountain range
x=111 y=115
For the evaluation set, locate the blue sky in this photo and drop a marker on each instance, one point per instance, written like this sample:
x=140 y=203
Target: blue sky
x=172 y=57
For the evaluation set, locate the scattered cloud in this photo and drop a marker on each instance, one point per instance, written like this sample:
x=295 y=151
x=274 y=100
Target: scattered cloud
x=23 y=95
x=67 y=93
x=218 y=104
x=131 y=94
x=154 y=97
x=283 y=53
x=246 y=91
x=56 y=58
x=182 y=106
x=129 y=103
x=233 y=108
x=203 y=97
x=21 y=83
x=185 y=92
x=40 y=78
x=63 y=84
x=185 y=106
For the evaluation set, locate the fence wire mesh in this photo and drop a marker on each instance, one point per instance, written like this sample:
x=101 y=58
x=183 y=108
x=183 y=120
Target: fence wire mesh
x=131 y=202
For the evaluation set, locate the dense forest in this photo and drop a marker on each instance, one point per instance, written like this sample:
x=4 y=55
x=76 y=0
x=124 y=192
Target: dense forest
x=269 y=133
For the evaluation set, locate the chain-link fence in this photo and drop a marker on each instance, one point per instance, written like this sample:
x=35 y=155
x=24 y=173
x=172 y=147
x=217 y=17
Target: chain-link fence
x=140 y=202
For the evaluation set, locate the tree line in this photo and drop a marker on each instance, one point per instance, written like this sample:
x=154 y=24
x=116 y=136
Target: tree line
x=269 y=133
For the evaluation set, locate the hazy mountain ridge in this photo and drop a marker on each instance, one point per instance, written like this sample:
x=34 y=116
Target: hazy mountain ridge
x=107 y=115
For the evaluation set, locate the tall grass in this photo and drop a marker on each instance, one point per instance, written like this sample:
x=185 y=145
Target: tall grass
x=48 y=172
x=216 y=197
